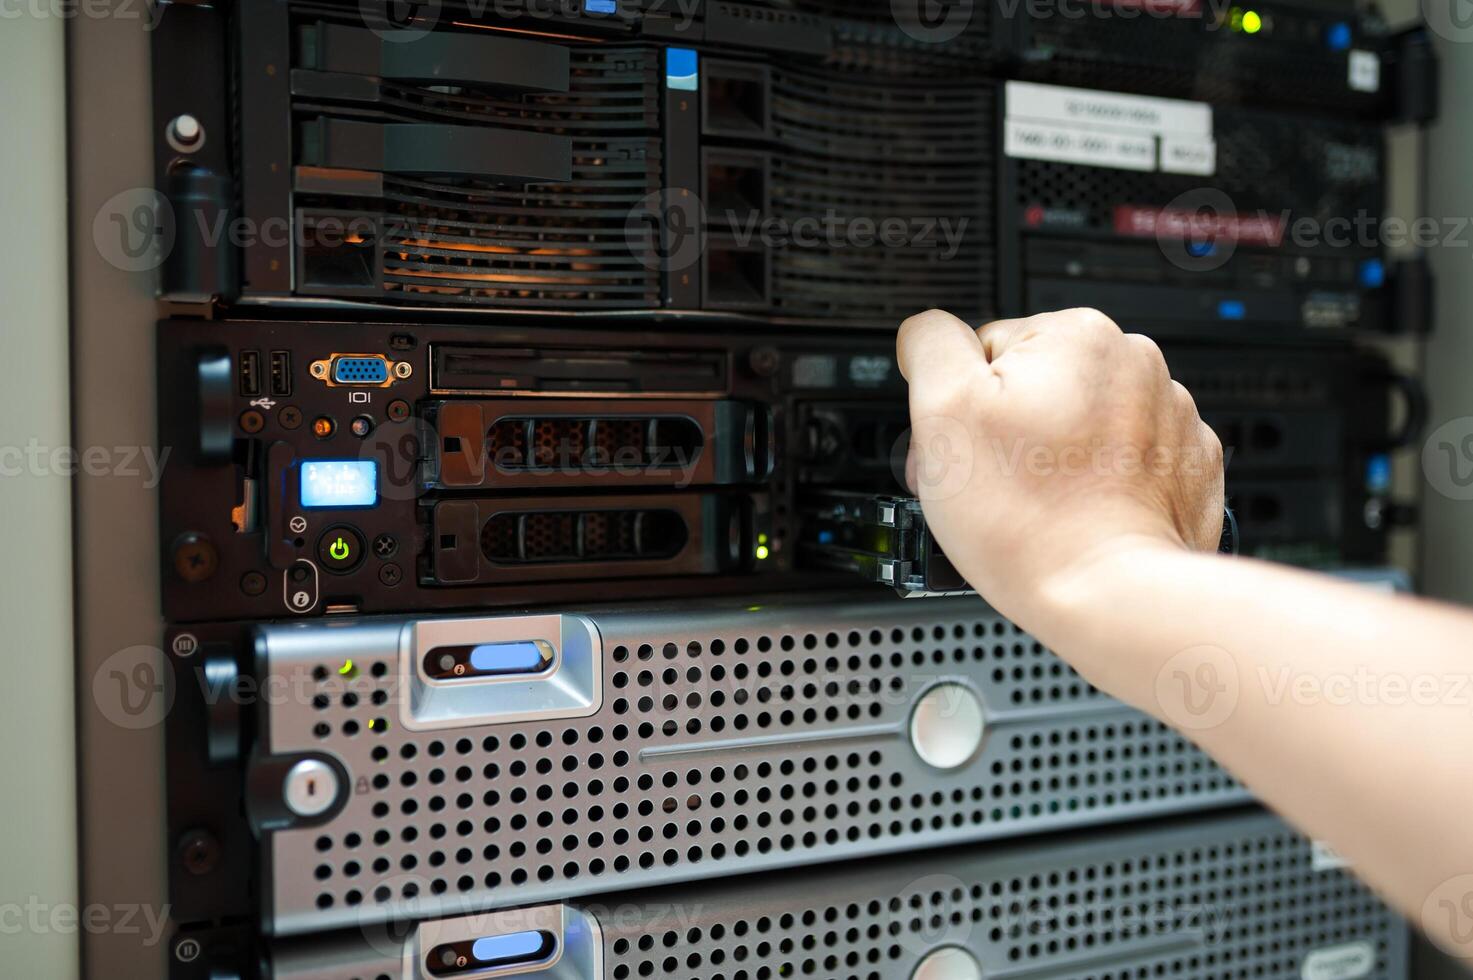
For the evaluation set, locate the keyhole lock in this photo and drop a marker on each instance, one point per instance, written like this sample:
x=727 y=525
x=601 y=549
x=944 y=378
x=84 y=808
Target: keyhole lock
x=311 y=788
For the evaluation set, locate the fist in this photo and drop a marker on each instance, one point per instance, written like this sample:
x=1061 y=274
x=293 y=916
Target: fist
x=1037 y=443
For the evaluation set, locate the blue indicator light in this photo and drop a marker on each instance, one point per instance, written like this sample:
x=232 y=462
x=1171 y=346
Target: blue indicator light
x=1198 y=250
x=513 y=947
x=825 y=537
x=521 y=657
x=339 y=483
x=601 y=6
x=1231 y=309
x=1372 y=273
x=1338 y=36
x=682 y=67
x=1378 y=473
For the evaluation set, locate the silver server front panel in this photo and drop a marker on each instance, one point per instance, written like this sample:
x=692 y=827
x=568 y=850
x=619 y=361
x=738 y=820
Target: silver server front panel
x=672 y=743
x=1220 y=898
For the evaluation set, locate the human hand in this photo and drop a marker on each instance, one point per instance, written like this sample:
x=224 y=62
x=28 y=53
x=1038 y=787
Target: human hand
x=1040 y=444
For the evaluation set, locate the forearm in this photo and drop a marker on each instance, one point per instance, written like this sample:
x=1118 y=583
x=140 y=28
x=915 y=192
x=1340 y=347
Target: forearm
x=1347 y=710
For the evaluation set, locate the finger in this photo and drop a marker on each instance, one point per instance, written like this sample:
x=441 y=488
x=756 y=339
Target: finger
x=933 y=346
x=1185 y=403
x=1149 y=352
x=1071 y=325
x=999 y=335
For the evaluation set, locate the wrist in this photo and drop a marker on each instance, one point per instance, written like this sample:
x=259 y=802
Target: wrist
x=1077 y=604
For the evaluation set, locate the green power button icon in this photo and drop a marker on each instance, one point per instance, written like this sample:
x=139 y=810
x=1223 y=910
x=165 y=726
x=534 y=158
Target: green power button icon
x=340 y=548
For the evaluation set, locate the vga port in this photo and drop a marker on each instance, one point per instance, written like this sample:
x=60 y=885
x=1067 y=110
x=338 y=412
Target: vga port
x=371 y=370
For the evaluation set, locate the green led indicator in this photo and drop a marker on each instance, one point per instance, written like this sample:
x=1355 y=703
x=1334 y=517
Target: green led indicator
x=338 y=549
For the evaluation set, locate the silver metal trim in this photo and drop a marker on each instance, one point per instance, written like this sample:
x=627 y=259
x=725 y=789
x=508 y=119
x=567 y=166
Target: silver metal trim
x=570 y=688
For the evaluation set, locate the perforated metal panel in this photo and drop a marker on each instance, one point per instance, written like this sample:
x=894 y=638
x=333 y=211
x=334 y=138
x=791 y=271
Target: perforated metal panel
x=1214 y=899
x=723 y=740
x=932 y=164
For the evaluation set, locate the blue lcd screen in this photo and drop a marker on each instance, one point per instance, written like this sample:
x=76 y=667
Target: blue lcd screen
x=339 y=483
x=516 y=947
x=521 y=657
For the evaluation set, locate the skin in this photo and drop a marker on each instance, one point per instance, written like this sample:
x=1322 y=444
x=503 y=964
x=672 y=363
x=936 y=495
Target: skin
x=1074 y=485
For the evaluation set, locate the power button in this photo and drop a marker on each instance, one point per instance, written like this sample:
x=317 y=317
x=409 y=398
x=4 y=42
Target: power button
x=340 y=548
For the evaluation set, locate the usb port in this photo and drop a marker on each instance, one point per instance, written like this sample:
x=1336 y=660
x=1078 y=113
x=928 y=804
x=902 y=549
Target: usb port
x=281 y=373
x=249 y=368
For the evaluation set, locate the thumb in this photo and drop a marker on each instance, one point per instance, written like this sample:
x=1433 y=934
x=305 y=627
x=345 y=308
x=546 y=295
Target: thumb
x=933 y=347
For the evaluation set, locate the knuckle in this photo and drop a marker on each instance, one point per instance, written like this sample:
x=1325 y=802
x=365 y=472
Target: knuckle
x=1091 y=320
x=1147 y=347
x=1150 y=354
x=1092 y=330
x=1210 y=441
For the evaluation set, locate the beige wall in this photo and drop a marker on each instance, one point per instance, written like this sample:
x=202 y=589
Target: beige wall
x=1447 y=567
x=38 y=866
